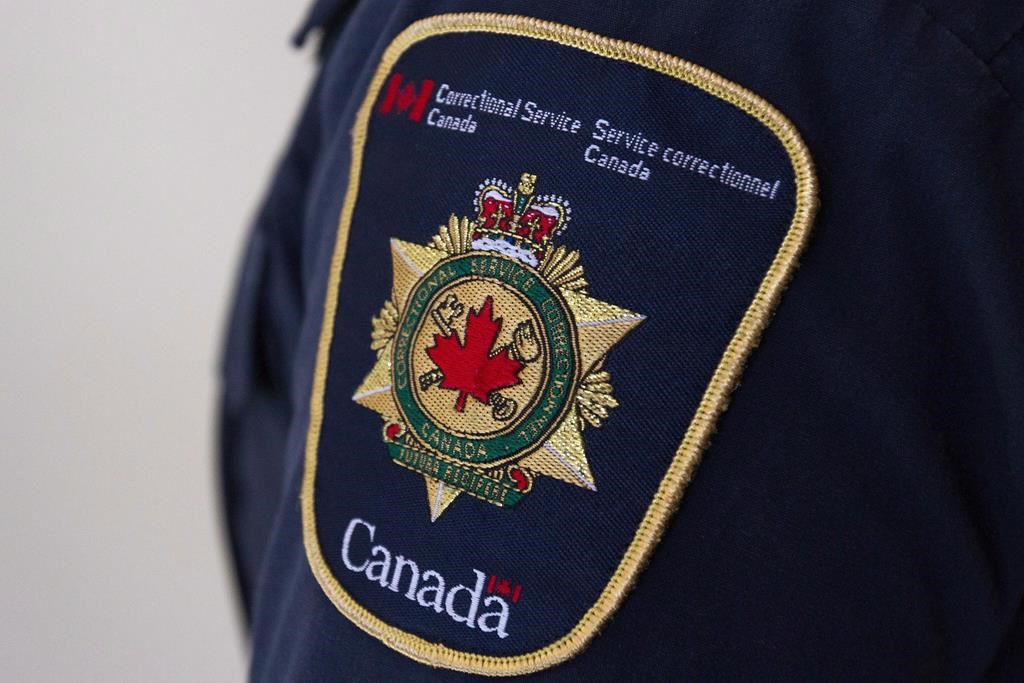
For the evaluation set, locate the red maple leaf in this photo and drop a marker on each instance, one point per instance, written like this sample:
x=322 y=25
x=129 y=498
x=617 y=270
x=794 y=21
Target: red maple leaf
x=470 y=368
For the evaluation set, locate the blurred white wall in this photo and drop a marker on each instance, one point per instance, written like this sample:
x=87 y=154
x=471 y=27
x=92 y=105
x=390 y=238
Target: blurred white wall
x=135 y=141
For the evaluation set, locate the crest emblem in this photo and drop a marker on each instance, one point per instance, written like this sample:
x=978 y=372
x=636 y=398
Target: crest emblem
x=490 y=352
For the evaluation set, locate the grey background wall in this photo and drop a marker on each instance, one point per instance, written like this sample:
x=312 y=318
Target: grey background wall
x=136 y=139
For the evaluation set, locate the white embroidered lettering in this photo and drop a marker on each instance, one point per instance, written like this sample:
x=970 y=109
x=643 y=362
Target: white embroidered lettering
x=461 y=603
x=501 y=615
x=637 y=169
x=346 y=542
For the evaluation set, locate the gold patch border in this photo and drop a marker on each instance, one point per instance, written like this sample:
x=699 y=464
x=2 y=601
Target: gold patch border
x=713 y=403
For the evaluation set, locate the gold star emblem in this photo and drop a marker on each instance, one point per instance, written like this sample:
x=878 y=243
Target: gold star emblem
x=490 y=353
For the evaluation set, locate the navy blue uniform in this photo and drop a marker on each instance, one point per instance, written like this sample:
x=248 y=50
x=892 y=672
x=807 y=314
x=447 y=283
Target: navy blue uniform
x=774 y=426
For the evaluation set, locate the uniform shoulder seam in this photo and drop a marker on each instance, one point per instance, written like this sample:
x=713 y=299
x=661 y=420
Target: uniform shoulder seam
x=986 y=63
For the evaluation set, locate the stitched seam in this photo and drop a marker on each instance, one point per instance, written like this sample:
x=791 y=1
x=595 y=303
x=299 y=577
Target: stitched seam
x=967 y=46
x=1006 y=43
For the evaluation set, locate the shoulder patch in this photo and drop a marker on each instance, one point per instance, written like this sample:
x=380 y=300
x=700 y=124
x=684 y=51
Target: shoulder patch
x=507 y=406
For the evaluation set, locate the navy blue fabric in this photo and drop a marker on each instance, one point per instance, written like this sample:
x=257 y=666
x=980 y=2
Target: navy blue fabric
x=649 y=246
x=860 y=511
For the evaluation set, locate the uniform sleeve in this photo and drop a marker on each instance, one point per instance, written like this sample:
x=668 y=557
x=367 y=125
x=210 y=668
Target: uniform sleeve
x=256 y=404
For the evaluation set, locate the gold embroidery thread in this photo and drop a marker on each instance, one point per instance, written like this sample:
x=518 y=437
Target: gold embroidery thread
x=712 y=404
x=489 y=312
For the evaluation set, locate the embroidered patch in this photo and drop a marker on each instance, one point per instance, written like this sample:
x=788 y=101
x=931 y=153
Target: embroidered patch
x=490 y=356
x=507 y=407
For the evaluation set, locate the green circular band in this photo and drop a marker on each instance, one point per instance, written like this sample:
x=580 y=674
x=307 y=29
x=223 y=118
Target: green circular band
x=559 y=334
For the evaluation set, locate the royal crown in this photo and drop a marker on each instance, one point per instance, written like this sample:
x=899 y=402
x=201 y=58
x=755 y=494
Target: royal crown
x=515 y=222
